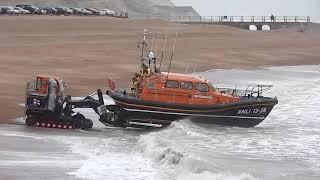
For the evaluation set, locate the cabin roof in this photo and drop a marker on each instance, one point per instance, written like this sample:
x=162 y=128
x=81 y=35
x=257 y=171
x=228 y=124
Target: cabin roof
x=183 y=77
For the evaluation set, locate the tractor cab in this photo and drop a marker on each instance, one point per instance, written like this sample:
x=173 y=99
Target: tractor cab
x=41 y=85
x=44 y=93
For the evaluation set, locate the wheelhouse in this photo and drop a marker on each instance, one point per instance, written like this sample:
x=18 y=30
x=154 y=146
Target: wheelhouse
x=182 y=89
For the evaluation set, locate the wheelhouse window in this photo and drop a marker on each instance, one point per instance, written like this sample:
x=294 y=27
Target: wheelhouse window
x=186 y=85
x=172 y=84
x=151 y=85
x=202 y=87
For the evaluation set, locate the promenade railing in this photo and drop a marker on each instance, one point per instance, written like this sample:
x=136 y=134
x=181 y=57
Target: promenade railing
x=240 y=19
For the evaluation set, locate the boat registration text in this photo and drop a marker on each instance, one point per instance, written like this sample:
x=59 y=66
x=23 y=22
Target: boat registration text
x=252 y=111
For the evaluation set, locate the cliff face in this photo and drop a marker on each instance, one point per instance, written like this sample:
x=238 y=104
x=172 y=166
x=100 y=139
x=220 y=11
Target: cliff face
x=133 y=7
x=176 y=10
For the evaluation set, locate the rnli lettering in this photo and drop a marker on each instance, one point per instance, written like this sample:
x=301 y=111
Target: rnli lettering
x=252 y=111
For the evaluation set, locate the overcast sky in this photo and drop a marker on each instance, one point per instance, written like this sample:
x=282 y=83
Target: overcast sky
x=253 y=7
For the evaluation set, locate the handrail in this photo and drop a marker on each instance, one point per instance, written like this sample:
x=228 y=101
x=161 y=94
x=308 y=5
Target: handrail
x=257 y=89
x=236 y=19
x=239 y=19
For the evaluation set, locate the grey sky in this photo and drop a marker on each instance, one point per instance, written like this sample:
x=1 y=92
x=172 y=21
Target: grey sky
x=254 y=7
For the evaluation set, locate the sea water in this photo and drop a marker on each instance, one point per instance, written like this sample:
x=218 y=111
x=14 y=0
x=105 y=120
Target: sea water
x=284 y=146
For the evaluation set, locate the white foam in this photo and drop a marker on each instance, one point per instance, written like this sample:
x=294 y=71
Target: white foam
x=174 y=162
x=49 y=162
x=104 y=159
x=159 y=150
x=206 y=175
x=20 y=134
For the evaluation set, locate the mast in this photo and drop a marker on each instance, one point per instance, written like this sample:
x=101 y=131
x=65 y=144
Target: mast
x=149 y=55
x=144 y=44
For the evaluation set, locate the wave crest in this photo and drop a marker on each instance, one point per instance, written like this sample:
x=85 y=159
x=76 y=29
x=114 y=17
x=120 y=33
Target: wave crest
x=159 y=149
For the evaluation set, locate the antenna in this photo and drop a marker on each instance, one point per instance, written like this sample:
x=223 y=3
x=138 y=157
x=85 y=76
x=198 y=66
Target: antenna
x=163 y=49
x=172 y=53
x=152 y=41
x=195 y=68
x=155 y=54
x=187 y=69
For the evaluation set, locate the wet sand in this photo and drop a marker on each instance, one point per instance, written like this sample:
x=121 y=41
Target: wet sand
x=85 y=50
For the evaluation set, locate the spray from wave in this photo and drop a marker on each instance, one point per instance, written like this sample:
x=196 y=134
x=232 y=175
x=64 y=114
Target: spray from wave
x=160 y=150
x=175 y=161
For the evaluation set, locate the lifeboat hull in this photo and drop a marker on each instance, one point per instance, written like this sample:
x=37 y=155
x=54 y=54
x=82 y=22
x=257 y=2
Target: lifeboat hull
x=249 y=112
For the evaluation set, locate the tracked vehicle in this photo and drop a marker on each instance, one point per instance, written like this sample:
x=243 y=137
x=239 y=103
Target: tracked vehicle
x=46 y=105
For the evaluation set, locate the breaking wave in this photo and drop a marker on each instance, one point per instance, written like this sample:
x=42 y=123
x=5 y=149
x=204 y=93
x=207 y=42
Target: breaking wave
x=175 y=161
x=160 y=150
x=109 y=158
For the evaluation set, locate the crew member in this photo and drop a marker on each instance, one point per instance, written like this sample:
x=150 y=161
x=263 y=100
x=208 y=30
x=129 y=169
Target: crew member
x=145 y=70
x=135 y=81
